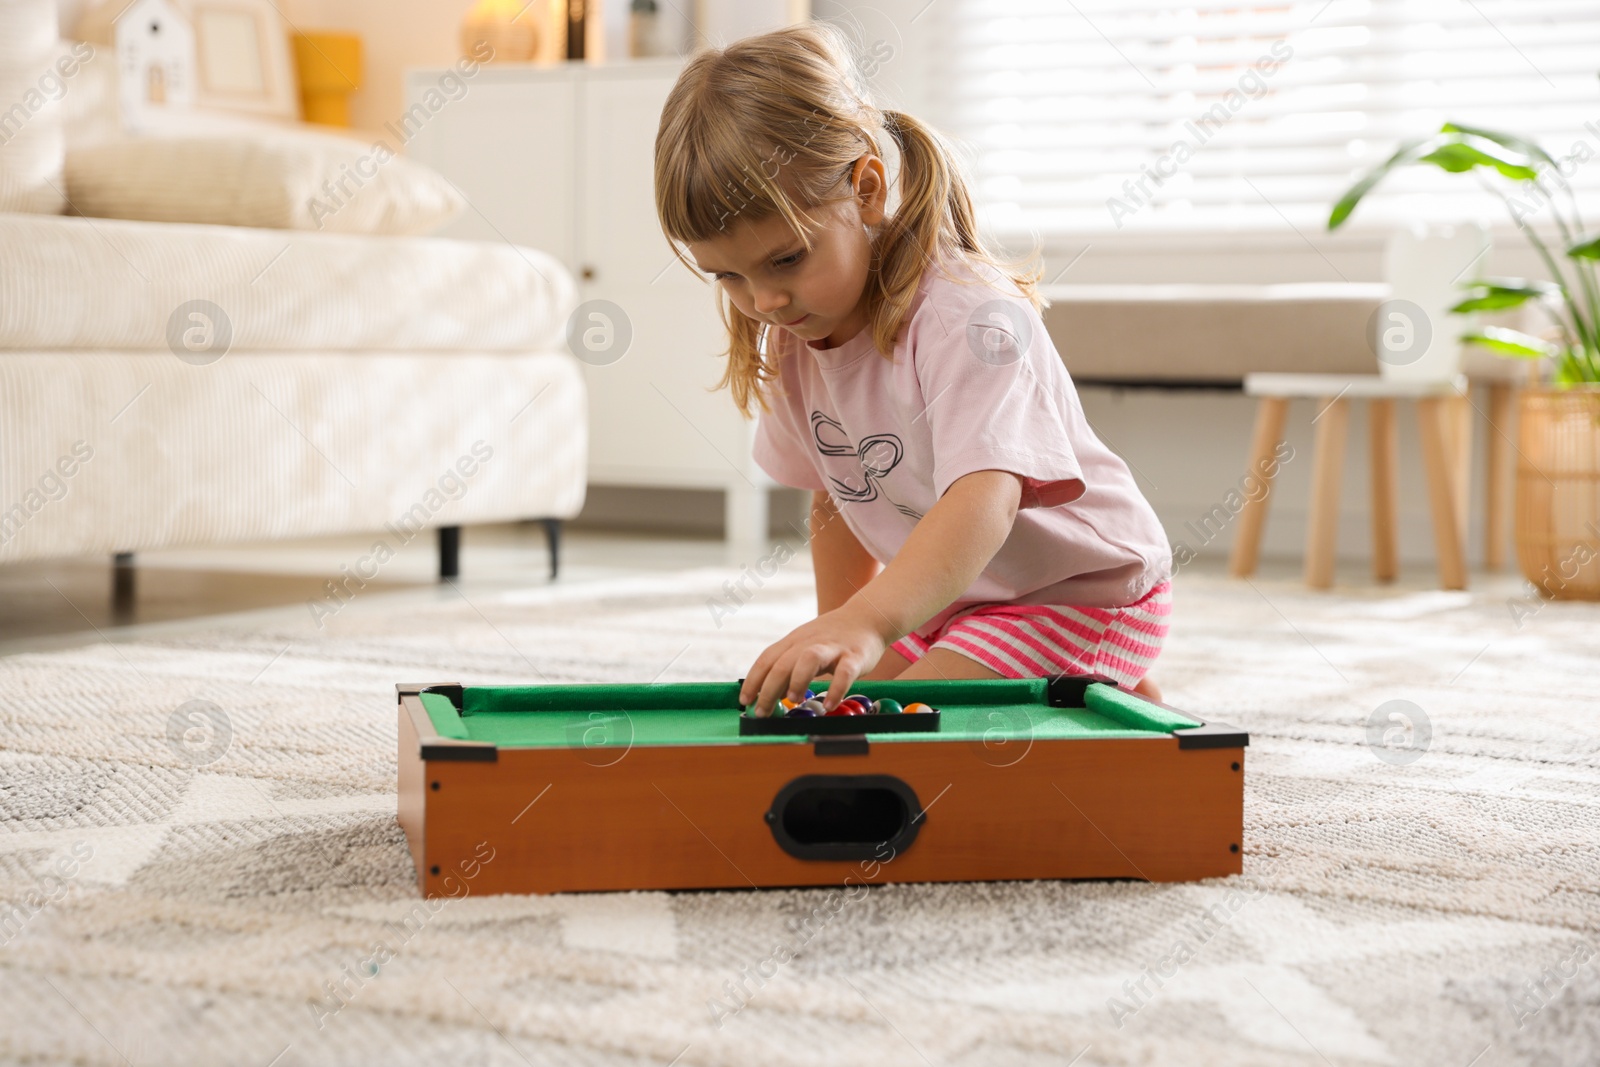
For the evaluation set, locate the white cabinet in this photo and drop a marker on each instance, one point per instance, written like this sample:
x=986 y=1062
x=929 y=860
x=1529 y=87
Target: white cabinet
x=560 y=158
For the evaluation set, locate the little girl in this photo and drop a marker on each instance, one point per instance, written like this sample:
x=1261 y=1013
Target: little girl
x=905 y=377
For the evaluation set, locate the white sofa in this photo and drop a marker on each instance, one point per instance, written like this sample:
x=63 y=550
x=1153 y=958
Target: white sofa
x=361 y=370
x=330 y=384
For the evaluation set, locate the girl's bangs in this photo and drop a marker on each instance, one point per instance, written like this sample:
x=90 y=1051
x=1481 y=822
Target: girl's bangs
x=712 y=190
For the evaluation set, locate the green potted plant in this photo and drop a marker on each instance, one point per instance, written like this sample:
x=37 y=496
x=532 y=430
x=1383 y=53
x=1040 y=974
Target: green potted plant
x=1558 y=480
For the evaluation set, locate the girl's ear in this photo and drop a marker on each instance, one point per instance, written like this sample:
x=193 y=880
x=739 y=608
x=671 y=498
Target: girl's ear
x=871 y=188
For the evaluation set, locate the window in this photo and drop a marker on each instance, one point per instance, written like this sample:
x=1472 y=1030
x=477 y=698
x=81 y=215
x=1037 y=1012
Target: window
x=1097 y=116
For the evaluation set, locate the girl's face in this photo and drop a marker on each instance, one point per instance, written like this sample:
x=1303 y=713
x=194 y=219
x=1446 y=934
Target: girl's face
x=817 y=294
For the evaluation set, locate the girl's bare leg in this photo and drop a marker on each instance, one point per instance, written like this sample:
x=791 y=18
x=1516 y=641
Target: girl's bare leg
x=889 y=665
x=944 y=663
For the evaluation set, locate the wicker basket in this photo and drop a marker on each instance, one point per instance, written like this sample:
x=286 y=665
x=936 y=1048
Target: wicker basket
x=1558 y=491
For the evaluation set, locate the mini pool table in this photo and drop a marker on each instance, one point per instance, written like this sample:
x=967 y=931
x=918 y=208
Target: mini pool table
x=555 y=788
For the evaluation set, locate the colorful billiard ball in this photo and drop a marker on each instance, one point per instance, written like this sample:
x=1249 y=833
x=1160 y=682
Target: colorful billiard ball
x=786 y=704
x=886 y=707
x=846 y=707
x=810 y=695
x=917 y=709
x=806 y=709
x=857 y=698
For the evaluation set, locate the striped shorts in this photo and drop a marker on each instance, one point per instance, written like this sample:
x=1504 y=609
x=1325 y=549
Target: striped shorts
x=1037 y=640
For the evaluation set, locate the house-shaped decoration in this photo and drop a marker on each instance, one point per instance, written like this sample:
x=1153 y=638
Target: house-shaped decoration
x=155 y=54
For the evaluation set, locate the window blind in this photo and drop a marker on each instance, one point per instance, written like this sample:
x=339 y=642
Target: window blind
x=1092 y=116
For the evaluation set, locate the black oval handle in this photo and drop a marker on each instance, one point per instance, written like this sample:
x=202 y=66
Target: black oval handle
x=845 y=817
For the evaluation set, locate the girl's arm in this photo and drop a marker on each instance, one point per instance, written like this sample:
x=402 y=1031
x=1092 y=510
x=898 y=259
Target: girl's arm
x=841 y=565
x=945 y=553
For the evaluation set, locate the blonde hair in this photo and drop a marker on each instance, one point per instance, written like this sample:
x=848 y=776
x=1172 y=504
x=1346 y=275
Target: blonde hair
x=790 y=104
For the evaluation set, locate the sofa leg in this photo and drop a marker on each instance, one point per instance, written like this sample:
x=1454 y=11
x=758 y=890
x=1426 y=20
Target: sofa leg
x=122 y=585
x=449 y=553
x=552 y=536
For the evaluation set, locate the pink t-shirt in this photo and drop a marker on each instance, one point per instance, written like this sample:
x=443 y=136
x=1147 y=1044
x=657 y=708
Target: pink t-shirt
x=975 y=384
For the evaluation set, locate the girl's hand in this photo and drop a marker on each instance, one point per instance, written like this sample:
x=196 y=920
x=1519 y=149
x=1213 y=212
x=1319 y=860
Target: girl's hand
x=842 y=644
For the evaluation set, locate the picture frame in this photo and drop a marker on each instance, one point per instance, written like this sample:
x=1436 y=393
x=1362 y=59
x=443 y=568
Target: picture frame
x=243 y=61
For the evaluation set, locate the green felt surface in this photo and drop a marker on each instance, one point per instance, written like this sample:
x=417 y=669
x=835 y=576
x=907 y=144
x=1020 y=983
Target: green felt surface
x=701 y=713
x=444 y=717
x=1130 y=710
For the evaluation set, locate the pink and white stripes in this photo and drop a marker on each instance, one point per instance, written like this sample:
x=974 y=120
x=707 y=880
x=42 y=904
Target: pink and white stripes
x=1036 y=640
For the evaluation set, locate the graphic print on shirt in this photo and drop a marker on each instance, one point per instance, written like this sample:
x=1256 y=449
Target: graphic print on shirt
x=876 y=456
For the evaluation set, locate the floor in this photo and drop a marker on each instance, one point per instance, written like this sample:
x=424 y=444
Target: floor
x=60 y=604
x=1419 y=814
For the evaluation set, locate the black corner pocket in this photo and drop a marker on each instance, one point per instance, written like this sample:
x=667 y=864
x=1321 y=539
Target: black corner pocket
x=845 y=817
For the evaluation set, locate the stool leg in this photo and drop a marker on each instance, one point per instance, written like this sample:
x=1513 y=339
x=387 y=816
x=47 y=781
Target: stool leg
x=1385 y=562
x=1326 y=473
x=1433 y=426
x=1460 y=409
x=1498 y=470
x=1271 y=414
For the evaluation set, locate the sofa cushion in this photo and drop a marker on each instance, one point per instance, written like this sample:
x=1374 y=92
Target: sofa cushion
x=287 y=179
x=30 y=108
x=107 y=283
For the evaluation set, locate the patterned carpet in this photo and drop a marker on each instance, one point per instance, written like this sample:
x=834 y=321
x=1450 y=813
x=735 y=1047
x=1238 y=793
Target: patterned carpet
x=178 y=895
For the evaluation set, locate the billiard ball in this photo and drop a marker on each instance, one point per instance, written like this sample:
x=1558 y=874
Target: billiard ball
x=810 y=695
x=807 y=709
x=917 y=709
x=886 y=707
x=786 y=704
x=857 y=698
x=847 y=707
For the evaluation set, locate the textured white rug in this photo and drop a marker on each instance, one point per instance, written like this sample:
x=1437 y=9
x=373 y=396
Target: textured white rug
x=167 y=907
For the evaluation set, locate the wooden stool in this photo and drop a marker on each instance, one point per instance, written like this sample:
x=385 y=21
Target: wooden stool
x=1442 y=420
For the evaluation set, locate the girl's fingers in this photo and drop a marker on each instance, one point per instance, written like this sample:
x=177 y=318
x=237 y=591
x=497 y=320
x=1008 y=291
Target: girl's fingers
x=844 y=676
x=804 y=672
x=777 y=680
x=752 y=681
x=839 y=682
x=760 y=671
x=796 y=667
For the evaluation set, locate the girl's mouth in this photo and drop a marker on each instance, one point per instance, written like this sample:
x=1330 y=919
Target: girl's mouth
x=798 y=321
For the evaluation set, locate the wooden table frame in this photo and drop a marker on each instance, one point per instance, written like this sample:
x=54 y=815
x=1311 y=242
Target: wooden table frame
x=482 y=818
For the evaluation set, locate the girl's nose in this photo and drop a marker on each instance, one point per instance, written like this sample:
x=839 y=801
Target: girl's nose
x=770 y=300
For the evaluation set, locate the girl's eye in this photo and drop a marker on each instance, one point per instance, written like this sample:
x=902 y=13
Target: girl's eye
x=721 y=276
x=790 y=260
